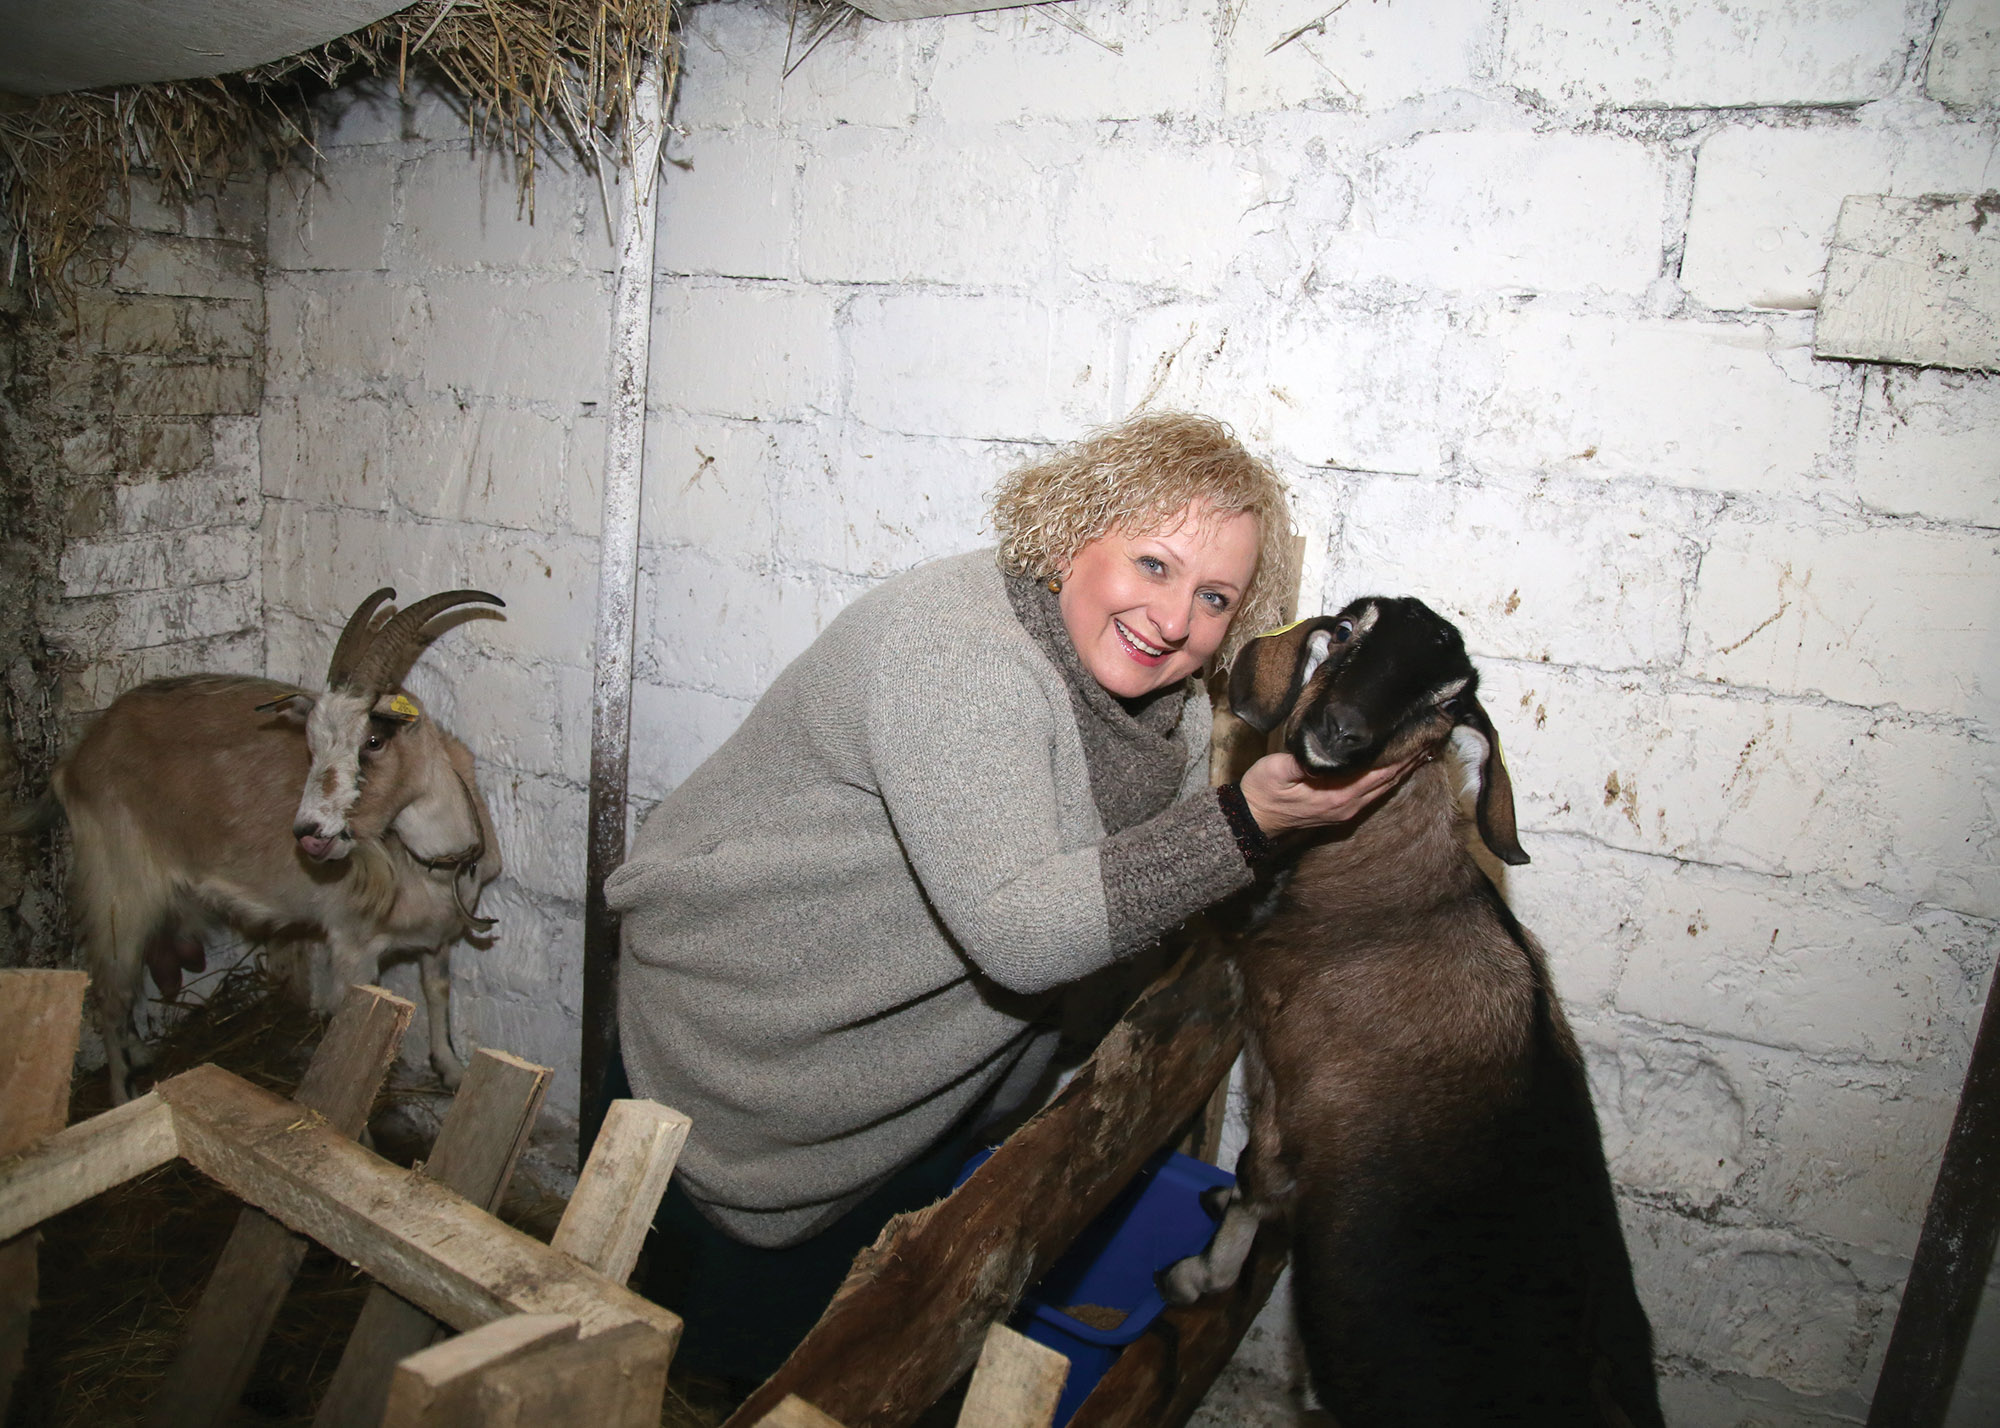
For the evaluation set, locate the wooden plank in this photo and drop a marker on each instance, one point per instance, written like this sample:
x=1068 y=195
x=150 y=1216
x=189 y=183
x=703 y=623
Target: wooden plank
x=620 y=1187
x=1954 y=1250
x=616 y=1379
x=1913 y=280
x=791 y=1411
x=911 y=1316
x=420 y=1240
x=360 y=1045
x=227 y=1329
x=439 y=1387
x=43 y=1014
x=1164 y=1374
x=1017 y=1384
x=67 y=1168
x=484 y=1131
x=1203 y=1140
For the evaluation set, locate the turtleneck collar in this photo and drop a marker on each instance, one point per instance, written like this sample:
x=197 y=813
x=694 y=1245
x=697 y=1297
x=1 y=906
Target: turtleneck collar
x=1132 y=747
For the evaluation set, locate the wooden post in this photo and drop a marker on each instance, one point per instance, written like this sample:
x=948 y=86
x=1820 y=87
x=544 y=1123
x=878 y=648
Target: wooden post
x=1018 y=1383
x=1942 y=1296
x=483 y=1134
x=226 y=1332
x=911 y=1316
x=43 y=1013
x=410 y=1234
x=439 y=1387
x=618 y=1192
x=1162 y=1376
x=618 y=580
x=611 y=1380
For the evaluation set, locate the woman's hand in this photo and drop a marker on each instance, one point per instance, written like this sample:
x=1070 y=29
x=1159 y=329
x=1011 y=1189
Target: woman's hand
x=1283 y=797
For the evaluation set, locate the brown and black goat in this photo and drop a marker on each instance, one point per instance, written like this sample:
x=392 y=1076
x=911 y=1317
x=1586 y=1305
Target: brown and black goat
x=219 y=799
x=1418 y=1105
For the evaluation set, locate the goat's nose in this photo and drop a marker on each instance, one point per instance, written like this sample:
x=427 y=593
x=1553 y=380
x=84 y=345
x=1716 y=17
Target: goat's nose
x=1344 y=729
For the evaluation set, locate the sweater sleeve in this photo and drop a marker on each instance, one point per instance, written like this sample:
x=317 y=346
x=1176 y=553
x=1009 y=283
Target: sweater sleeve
x=1165 y=870
x=965 y=760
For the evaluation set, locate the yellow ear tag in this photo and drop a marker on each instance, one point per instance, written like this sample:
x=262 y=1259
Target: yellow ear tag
x=1283 y=628
x=404 y=707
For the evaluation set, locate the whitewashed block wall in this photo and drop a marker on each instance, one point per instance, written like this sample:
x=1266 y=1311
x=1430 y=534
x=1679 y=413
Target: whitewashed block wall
x=152 y=406
x=1517 y=293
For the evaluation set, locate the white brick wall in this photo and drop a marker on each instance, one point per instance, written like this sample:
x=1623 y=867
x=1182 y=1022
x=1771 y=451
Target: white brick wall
x=157 y=400
x=1516 y=292
x=1709 y=53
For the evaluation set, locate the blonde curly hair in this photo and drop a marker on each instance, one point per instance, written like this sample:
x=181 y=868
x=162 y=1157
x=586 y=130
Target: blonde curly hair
x=1136 y=476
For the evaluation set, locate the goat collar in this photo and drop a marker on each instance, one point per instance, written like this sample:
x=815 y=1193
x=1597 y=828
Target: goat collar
x=464 y=862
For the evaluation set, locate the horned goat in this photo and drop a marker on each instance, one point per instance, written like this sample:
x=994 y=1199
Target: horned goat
x=1418 y=1106
x=219 y=799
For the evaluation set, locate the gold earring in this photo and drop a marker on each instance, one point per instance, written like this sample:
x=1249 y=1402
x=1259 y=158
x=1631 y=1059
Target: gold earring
x=1055 y=585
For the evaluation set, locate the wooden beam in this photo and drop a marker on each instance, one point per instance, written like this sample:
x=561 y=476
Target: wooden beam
x=484 y=1131
x=227 y=1329
x=1017 y=1384
x=1164 y=1374
x=620 y=1187
x=911 y=1316
x=43 y=1014
x=67 y=1168
x=431 y=1246
x=439 y=1387
x=1954 y=1251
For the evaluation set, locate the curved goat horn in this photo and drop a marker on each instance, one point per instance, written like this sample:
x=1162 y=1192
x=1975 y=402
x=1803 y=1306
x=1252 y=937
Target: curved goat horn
x=396 y=646
x=354 y=639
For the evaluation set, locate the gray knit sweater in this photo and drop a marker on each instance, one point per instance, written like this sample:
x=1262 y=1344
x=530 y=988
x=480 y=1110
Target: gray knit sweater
x=841 y=931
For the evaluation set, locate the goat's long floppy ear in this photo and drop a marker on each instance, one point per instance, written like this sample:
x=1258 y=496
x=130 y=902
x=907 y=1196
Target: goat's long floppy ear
x=1495 y=808
x=1264 y=682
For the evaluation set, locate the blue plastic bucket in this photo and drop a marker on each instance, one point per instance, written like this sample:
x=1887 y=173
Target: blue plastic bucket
x=1156 y=1220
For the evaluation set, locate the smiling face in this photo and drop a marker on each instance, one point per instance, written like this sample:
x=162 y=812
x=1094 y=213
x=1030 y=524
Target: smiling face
x=1146 y=611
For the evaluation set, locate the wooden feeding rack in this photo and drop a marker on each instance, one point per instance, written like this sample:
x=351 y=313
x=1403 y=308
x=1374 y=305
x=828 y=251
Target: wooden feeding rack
x=439 y=1256
x=549 y=1334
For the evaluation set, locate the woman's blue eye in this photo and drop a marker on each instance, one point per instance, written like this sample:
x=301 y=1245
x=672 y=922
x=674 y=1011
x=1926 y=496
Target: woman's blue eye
x=1216 y=599
x=1152 y=563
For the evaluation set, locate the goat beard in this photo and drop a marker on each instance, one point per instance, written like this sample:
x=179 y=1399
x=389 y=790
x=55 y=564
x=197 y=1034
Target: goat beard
x=375 y=883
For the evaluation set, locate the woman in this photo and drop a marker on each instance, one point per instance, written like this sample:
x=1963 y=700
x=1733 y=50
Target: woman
x=985 y=780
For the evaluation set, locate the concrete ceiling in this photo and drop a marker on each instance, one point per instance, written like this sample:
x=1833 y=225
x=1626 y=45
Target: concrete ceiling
x=54 y=45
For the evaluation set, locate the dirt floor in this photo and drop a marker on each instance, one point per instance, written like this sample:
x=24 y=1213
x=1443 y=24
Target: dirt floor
x=121 y=1272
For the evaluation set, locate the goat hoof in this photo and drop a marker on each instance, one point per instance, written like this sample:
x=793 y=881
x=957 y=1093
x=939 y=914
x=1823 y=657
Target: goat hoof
x=450 y=1070
x=1183 y=1281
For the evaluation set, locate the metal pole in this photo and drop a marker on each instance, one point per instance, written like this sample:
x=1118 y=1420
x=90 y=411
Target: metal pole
x=617 y=585
x=1942 y=1294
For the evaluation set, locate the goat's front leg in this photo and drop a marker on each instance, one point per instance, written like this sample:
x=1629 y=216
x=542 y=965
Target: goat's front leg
x=1264 y=1190
x=435 y=972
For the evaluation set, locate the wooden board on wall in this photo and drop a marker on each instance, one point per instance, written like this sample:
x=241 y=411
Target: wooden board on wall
x=1914 y=280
